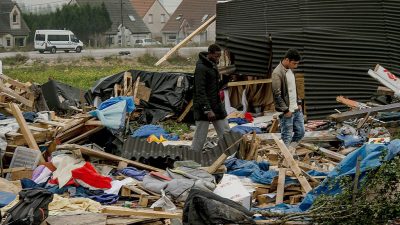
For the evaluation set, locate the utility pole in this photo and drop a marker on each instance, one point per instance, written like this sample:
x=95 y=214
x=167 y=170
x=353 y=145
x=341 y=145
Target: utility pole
x=122 y=29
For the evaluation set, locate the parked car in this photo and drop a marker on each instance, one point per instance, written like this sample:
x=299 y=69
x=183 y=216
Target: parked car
x=53 y=40
x=147 y=42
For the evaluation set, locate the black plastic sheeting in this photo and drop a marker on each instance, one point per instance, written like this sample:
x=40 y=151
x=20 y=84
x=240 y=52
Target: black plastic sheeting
x=338 y=39
x=170 y=92
x=140 y=149
x=61 y=97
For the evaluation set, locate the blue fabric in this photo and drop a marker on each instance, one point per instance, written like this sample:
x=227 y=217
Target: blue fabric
x=2 y=116
x=28 y=183
x=257 y=172
x=147 y=130
x=6 y=198
x=245 y=129
x=105 y=199
x=292 y=128
x=29 y=116
x=134 y=173
x=130 y=105
x=371 y=159
x=239 y=121
x=113 y=116
x=317 y=173
x=351 y=140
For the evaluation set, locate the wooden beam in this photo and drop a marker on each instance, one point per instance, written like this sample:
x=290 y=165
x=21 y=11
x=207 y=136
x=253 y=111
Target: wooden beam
x=121 y=211
x=340 y=117
x=186 y=40
x=249 y=82
x=280 y=190
x=84 y=135
x=293 y=165
x=328 y=153
x=214 y=167
x=23 y=126
x=384 y=91
x=187 y=109
x=311 y=136
x=105 y=155
x=15 y=95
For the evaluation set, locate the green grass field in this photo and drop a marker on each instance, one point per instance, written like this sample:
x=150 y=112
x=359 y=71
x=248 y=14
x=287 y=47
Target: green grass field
x=85 y=72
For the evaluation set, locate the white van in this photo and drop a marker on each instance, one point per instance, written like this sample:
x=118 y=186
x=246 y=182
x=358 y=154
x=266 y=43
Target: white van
x=53 y=40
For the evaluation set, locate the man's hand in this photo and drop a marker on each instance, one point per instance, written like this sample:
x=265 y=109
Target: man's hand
x=211 y=116
x=288 y=114
x=300 y=108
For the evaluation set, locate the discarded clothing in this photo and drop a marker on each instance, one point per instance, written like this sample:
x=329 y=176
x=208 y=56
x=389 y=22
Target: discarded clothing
x=3 y=117
x=351 y=140
x=29 y=116
x=113 y=116
x=245 y=129
x=117 y=184
x=187 y=163
x=147 y=130
x=130 y=105
x=89 y=176
x=239 y=121
x=257 y=172
x=202 y=207
x=134 y=173
x=73 y=205
x=65 y=163
x=105 y=199
x=41 y=174
x=6 y=198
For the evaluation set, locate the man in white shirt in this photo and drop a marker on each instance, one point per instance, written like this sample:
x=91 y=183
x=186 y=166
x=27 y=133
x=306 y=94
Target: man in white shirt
x=286 y=100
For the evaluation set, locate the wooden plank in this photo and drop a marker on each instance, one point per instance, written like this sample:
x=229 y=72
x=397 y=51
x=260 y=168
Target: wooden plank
x=23 y=126
x=121 y=211
x=187 y=109
x=84 y=135
x=326 y=152
x=249 y=82
x=300 y=88
x=144 y=92
x=350 y=103
x=127 y=220
x=384 y=91
x=15 y=95
x=78 y=219
x=280 y=190
x=186 y=40
x=311 y=136
x=253 y=146
x=293 y=165
x=340 y=117
x=105 y=155
x=214 y=167
x=122 y=165
x=274 y=126
x=16 y=83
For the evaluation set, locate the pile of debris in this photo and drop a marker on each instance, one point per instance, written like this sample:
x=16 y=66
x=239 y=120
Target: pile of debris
x=102 y=157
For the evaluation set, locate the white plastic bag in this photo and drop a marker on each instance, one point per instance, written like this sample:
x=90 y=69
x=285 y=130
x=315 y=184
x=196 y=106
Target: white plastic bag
x=165 y=203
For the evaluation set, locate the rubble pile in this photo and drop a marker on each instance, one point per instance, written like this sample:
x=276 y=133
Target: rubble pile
x=103 y=157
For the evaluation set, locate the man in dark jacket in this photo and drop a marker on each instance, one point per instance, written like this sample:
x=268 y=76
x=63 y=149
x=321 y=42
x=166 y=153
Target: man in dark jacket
x=286 y=100
x=207 y=104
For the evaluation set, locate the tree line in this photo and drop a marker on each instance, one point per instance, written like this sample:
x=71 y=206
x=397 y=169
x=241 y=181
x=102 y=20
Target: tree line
x=86 y=22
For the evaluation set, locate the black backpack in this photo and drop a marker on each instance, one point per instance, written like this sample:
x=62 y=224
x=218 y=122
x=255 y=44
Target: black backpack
x=32 y=208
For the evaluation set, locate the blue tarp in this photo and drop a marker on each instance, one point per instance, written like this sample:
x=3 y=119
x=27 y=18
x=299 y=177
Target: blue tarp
x=147 y=130
x=371 y=159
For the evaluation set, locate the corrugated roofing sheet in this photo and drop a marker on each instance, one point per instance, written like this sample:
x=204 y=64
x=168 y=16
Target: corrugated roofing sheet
x=137 y=149
x=338 y=39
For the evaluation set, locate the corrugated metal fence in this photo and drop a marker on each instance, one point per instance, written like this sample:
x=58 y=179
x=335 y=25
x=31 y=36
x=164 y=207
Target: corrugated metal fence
x=338 y=39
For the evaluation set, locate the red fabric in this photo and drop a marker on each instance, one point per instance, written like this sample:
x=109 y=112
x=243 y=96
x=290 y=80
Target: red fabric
x=248 y=117
x=89 y=175
x=222 y=95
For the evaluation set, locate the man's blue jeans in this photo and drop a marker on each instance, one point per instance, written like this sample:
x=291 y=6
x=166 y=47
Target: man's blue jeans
x=292 y=128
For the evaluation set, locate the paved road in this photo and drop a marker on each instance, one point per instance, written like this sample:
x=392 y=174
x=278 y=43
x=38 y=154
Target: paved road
x=101 y=53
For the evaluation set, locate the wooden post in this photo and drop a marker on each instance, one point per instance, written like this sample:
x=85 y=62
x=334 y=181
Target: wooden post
x=293 y=165
x=186 y=40
x=24 y=129
x=187 y=109
x=280 y=191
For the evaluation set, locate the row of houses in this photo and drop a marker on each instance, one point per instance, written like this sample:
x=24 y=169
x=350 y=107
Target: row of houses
x=167 y=21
